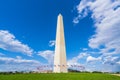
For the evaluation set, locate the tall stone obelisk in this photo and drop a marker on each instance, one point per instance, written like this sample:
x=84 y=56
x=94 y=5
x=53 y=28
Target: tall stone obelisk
x=60 y=63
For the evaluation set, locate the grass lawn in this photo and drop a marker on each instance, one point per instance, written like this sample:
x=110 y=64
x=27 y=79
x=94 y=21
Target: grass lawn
x=59 y=76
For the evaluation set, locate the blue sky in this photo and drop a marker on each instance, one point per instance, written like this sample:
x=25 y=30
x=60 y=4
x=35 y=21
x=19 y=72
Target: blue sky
x=28 y=30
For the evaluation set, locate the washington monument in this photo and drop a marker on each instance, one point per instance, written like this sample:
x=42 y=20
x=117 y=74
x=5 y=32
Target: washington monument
x=60 y=63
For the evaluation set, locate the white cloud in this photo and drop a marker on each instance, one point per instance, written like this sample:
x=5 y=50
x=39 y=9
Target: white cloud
x=92 y=59
x=77 y=61
x=96 y=63
x=18 y=64
x=111 y=60
x=48 y=55
x=85 y=49
x=74 y=60
x=106 y=16
x=52 y=43
x=10 y=43
x=76 y=19
x=118 y=62
x=107 y=23
x=1 y=54
x=18 y=59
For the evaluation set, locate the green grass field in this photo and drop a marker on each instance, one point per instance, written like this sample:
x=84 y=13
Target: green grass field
x=61 y=76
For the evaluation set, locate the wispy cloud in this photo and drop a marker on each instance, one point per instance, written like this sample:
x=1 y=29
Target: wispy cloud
x=106 y=22
x=18 y=59
x=18 y=64
x=48 y=55
x=93 y=59
x=111 y=60
x=74 y=60
x=52 y=43
x=106 y=38
x=1 y=54
x=10 y=43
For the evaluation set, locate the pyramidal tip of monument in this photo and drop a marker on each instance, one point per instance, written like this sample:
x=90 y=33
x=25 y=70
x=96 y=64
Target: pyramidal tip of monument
x=60 y=14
